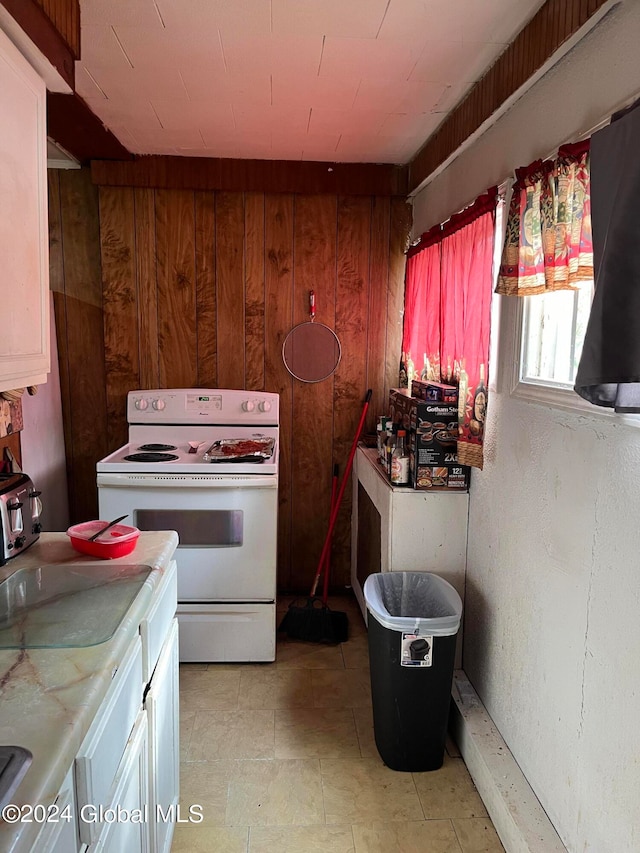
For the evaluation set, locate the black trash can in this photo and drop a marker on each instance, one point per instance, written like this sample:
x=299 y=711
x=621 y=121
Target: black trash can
x=413 y=620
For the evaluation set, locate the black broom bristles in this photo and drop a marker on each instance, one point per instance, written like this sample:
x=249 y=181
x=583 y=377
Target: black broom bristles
x=315 y=622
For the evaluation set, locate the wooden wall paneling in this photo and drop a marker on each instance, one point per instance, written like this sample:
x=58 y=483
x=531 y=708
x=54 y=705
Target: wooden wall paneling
x=278 y=247
x=574 y=22
x=56 y=262
x=74 y=259
x=117 y=240
x=377 y=308
x=88 y=403
x=65 y=16
x=60 y=314
x=354 y=247
x=314 y=254
x=56 y=283
x=254 y=291
x=230 y=289
x=398 y=244
x=531 y=33
x=585 y=11
x=348 y=249
x=268 y=176
x=525 y=71
x=503 y=75
x=539 y=38
x=206 y=311
x=79 y=217
x=176 y=274
x=81 y=236
x=557 y=17
x=147 y=290
x=580 y=14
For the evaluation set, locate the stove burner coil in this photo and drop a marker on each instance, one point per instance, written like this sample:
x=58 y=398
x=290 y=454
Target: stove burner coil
x=157 y=448
x=151 y=457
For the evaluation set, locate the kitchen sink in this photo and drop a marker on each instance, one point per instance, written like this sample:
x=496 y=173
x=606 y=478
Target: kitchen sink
x=14 y=763
x=66 y=605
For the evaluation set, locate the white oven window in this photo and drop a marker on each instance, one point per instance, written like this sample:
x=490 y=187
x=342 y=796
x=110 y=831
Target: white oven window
x=196 y=528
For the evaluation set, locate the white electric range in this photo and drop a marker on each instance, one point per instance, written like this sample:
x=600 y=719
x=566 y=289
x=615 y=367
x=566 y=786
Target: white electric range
x=204 y=462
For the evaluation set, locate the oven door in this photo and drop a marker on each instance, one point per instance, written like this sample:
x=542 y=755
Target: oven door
x=227 y=526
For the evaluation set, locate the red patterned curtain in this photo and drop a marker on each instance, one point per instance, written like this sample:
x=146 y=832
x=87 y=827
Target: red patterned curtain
x=448 y=312
x=548 y=243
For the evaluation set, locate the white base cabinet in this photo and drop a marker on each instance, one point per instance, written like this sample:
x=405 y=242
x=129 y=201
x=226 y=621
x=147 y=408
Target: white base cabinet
x=405 y=530
x=162 y=704
x=123 y=787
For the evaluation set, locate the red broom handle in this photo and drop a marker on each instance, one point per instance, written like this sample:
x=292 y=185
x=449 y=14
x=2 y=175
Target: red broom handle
x=327 y=564
x=325 y=567
x=343 y=484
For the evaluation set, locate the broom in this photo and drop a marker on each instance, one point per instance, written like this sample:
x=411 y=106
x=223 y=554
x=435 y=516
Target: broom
x=314 y=621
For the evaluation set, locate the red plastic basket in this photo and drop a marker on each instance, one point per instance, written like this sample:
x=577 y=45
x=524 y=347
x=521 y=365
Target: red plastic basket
x=118 y=541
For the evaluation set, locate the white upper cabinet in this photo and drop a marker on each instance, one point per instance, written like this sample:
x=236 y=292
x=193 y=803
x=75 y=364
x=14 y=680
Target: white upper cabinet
x=24 y=250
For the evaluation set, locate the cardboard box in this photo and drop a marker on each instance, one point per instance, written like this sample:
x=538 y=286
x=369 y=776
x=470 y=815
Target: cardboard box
x=434 y=446
x=438 y=478
x=411 y=413
x=435 y=392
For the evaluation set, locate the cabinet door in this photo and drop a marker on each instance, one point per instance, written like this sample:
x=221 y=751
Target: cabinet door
x=99 y=758
x=154 y=628
x=61 y=836
x=164 y=760
x=125 y=829
x=24 y=253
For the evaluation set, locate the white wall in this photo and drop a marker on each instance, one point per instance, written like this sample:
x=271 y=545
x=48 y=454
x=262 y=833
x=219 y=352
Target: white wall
x=552 y=626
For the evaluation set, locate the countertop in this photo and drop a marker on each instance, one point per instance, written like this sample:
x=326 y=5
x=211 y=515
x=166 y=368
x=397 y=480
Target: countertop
x=49 y=697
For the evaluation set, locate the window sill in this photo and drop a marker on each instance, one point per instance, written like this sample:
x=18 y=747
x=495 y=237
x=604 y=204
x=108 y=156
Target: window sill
x=567 y=400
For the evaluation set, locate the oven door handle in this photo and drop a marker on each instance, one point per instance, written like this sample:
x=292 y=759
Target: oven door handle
x=186 y=481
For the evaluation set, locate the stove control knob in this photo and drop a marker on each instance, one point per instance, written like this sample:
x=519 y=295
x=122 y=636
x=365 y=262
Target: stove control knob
x=141 y=404
x=248 y=406
x=265 y=405
x=158 y=405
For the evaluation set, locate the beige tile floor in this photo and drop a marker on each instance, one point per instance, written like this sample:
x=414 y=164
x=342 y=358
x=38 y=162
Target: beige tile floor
x=282 y=759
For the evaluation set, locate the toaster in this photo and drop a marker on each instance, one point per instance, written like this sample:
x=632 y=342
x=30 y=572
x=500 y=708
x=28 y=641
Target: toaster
x=20 y=510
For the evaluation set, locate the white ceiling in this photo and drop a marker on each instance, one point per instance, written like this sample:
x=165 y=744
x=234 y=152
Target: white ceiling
x=333 y=80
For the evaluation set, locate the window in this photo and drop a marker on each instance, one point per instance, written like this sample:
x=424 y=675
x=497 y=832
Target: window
x=553 y=330
x=546 y=333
